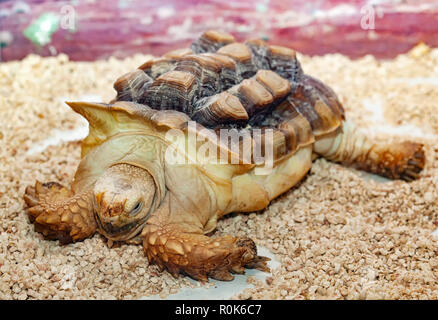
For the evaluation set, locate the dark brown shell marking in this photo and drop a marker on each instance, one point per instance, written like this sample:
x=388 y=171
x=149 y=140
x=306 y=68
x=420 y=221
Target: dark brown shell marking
x=211 y=41
x=224 y=84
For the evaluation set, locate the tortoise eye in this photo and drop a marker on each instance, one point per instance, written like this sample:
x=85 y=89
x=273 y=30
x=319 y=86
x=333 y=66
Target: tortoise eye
x=136 y=209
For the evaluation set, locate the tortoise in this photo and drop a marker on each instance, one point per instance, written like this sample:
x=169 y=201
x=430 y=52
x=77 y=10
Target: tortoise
x=144 y=179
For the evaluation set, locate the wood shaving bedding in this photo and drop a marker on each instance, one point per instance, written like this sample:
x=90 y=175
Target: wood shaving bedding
x=337 y=234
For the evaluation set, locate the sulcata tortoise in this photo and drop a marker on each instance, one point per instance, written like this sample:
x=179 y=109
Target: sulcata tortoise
x=194 y=135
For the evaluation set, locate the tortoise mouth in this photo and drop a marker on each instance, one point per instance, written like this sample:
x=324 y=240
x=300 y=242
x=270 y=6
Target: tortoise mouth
x=123 y=232
x=109 y=228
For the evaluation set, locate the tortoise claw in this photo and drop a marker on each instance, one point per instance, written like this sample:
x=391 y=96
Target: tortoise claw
x=259 y=263
x=221 y=275
x=201 y=257
x=30 y=197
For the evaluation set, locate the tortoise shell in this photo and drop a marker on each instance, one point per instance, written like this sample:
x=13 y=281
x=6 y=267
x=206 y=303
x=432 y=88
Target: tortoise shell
x=220 y=83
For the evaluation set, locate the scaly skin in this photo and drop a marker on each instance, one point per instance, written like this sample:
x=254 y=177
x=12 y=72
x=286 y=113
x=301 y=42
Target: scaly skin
x=174 y=247
x=403 y=160
x=59 y=214
x=394 y=160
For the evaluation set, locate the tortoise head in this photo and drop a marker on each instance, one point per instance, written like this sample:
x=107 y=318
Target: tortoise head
x=123 y=198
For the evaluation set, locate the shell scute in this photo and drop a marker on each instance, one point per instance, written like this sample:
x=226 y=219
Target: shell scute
x=156 y=67
x=131 y=86
x=241 y=54
x=173 y=90
x=278 y=86
x=308 y=102
x=219 y=109
x=254 y=95
x=281 y=60
x=221 y=83
x=178 y=53
x=211 y=41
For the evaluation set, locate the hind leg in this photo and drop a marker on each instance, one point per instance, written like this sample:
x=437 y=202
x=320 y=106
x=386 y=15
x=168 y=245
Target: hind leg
x=59 y=214
x=403 y=160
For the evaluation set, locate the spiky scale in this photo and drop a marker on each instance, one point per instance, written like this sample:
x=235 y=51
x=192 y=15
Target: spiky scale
x=152 y=238
x=162 y=240
x=74 y=208
x=175 y=247
x=165 y=257
x=66 y=216
x=82 y=203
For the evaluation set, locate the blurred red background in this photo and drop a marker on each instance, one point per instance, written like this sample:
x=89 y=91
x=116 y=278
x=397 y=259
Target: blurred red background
x=90 y=30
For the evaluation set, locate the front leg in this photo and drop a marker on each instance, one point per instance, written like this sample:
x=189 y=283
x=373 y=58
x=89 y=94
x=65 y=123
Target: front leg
x=58 y=213
x=181 y=247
